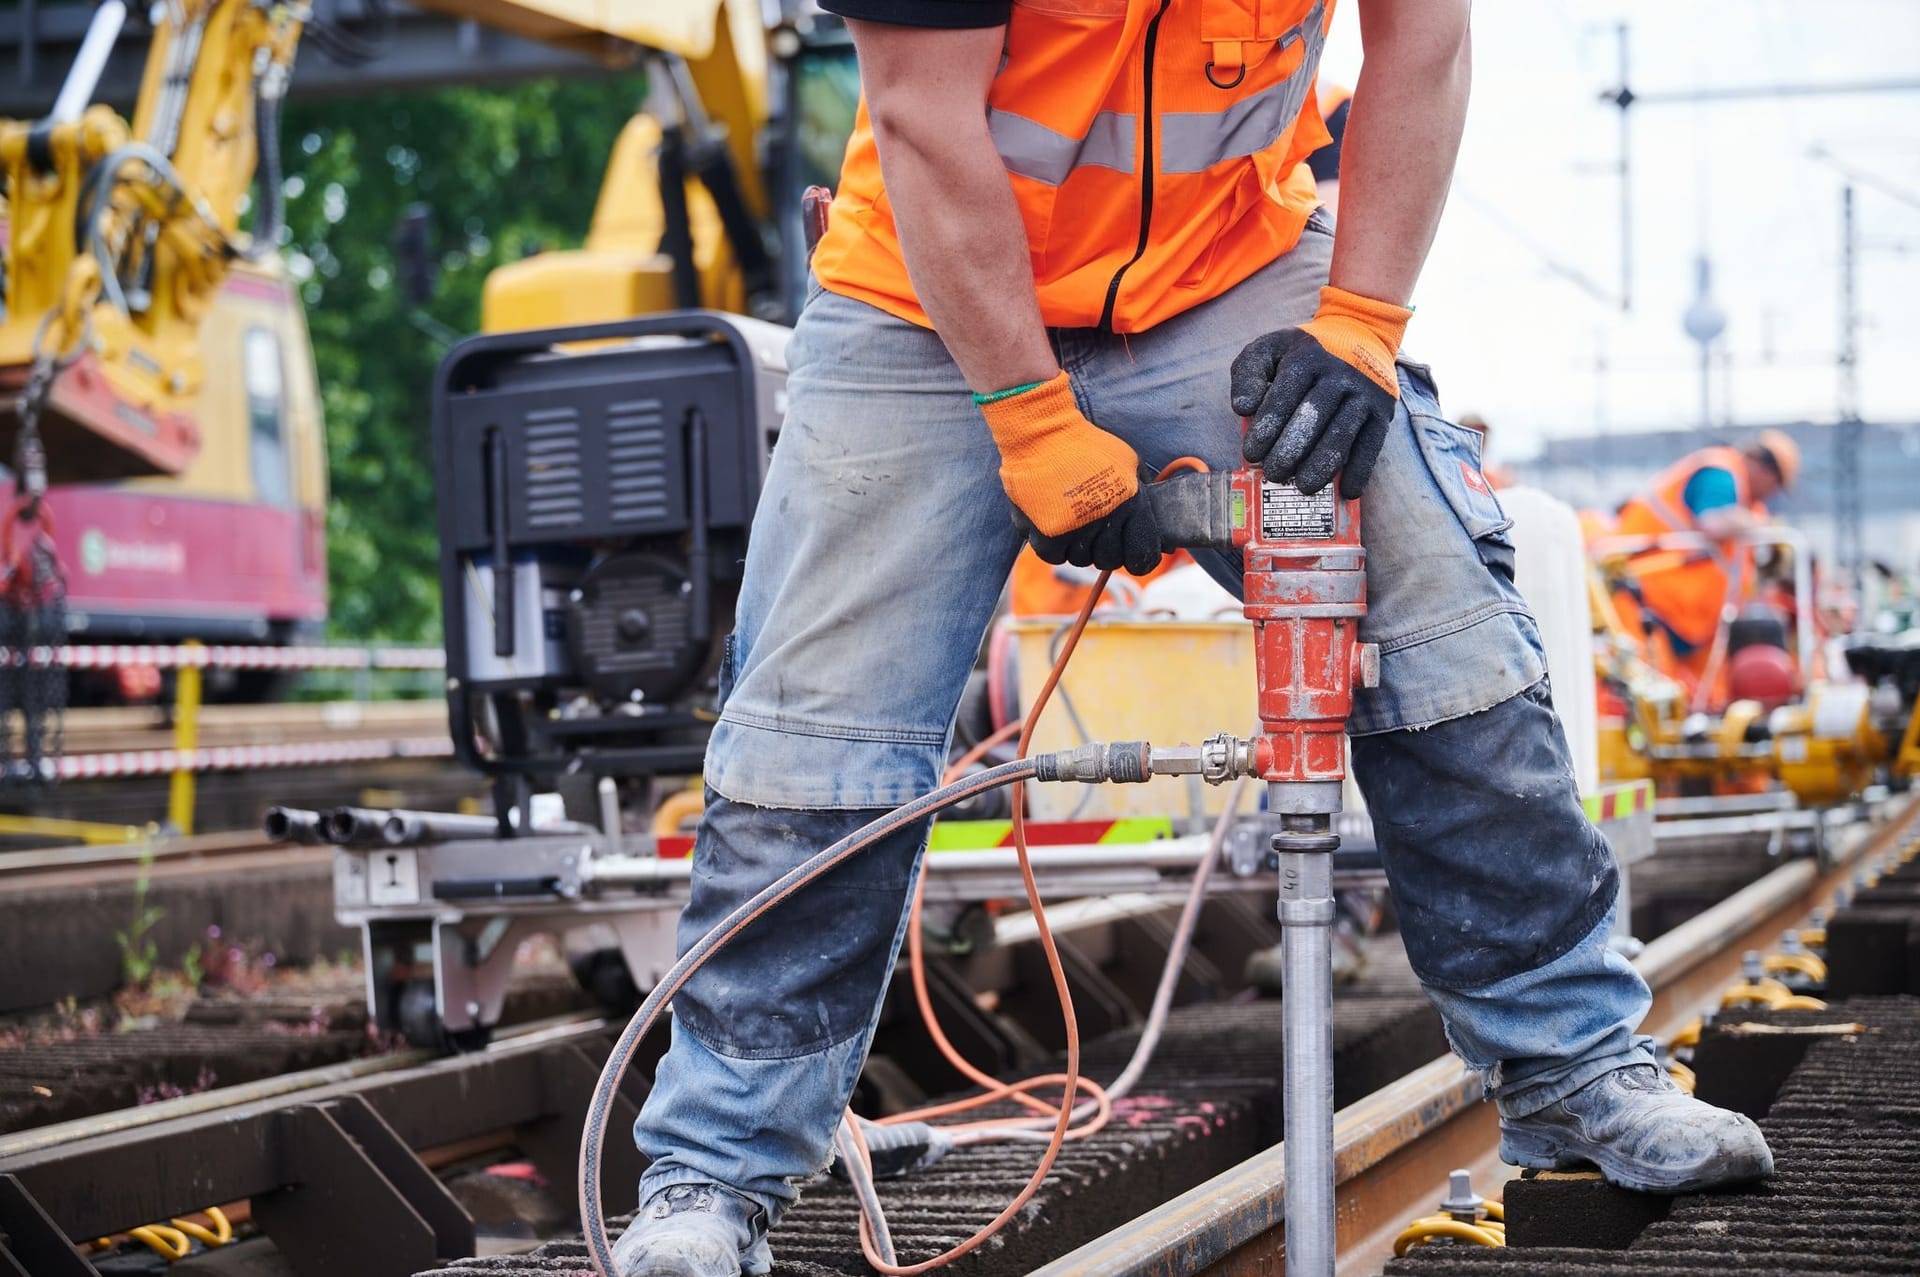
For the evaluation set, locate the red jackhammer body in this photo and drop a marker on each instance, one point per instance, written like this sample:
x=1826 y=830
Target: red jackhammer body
x=1305 y=591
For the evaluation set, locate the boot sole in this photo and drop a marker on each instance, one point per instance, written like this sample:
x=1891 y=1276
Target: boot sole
x=1541 y=1153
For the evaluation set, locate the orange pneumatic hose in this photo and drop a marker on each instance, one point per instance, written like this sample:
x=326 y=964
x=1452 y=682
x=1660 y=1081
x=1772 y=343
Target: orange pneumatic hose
x=599 y=1246
x=1060 y=1116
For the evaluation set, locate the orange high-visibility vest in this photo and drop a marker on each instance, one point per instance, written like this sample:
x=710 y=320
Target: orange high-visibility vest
x=1154 y=147
x=1689 y=596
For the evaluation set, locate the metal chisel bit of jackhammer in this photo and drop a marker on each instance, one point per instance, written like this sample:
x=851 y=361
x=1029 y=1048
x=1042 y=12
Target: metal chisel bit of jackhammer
x=1305 y=593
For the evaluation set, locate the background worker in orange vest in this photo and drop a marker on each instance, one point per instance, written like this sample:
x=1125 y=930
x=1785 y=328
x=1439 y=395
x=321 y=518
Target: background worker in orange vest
x=1718 y=492
x=1073 y=240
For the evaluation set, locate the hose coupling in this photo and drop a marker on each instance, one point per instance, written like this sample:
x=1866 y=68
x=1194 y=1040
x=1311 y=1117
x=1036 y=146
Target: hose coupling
x=1129 y=762
x=1123 y=762
x=1214 y=760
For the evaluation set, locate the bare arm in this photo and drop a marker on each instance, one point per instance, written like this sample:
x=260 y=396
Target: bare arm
x=1403 y=132
x=1727 y=522
x=960 y=229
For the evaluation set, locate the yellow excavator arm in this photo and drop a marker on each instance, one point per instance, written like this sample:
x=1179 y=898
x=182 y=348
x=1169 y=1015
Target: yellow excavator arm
x=118 y=236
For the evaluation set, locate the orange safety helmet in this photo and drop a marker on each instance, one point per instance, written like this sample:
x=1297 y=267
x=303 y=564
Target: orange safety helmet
x=1785 y=453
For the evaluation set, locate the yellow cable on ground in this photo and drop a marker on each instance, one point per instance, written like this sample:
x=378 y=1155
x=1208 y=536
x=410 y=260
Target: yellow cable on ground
x=1688 y=1036
x=174 y=1241
x=1682 y=1076
x=1814 y=937
x=1433 y=1228
x=1766 y=992
x=1744 y=994
x=219 y=1235
x=1804 y=963
x=170 y=1243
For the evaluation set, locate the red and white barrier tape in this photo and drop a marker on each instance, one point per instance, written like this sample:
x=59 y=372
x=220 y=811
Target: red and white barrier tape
x=162 y=762
x=106 y=656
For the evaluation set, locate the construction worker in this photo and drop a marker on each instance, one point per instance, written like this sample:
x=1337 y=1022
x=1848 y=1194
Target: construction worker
x=1718 y=492
x=1040 y=589
x=1070 y=240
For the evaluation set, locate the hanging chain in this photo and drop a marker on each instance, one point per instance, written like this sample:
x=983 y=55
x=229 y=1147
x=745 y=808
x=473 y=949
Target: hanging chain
x=33 y=603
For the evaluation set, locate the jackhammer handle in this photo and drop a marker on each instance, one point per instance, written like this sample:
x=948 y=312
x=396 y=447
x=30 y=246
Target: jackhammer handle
x=1194 y=510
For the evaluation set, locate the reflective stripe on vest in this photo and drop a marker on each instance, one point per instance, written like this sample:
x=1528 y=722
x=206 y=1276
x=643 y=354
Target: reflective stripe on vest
x=1036 y=151
x=1676 y=520
x=1190 y=141
x=1194 y=141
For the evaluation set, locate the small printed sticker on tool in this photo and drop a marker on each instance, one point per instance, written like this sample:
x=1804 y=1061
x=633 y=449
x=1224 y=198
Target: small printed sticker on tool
x=1288 y=514
x=393 y=878
x=349 y=879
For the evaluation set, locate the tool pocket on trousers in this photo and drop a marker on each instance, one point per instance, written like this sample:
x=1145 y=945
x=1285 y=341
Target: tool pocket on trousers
x=1452 y=454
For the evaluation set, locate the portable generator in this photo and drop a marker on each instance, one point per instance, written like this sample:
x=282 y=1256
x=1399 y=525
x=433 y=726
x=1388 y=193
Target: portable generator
x=595 y=487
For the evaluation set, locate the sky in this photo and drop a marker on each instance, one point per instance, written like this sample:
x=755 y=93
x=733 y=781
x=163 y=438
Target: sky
x=1518 y=309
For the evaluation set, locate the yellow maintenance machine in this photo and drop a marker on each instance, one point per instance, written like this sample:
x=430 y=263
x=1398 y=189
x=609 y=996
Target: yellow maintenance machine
x=1839 y=733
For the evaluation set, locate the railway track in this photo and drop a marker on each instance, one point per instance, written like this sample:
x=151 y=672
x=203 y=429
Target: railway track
x=1186 y=1182
x=45 y=867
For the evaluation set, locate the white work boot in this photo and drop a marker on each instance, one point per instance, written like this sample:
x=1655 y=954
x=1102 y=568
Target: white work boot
x=1642 y=1132
x=694 y=1230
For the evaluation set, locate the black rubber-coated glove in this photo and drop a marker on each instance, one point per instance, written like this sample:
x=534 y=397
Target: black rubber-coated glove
x=1128 y=538
x=1321 y=397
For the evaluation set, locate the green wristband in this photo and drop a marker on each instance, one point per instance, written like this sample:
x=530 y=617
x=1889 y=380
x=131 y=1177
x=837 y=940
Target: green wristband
x=998 y=395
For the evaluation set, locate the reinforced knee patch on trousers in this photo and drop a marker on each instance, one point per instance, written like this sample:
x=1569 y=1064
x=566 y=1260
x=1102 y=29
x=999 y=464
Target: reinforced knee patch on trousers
x=1494 y=866
x=807 y=974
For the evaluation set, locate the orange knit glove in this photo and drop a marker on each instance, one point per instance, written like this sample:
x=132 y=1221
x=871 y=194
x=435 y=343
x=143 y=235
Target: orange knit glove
x=1319 y=398
x=1061 y=470
x=1077 y=485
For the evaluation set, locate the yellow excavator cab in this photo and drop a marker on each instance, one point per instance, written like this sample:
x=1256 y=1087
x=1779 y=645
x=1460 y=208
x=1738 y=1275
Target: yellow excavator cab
x=620 y=271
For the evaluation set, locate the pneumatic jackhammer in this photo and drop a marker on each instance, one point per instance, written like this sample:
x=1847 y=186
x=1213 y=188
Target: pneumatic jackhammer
x=1305 y=591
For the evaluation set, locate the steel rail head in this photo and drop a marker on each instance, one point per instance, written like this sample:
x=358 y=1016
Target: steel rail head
x=1206 y=1224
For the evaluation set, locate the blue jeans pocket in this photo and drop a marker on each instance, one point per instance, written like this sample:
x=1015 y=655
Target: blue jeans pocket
x=1452 y=454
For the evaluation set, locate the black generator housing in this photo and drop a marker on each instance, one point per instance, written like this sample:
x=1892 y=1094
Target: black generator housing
x=595 y=488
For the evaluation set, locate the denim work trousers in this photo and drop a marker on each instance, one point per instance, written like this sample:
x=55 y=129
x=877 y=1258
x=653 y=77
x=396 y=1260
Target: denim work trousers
x=881 y=545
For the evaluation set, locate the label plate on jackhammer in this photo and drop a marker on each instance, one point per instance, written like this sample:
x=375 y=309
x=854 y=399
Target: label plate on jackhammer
x=1288 y=514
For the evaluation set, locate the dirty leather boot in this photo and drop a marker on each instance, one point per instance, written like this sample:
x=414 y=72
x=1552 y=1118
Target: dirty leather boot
x=1643 y=1133
x=694 y=1230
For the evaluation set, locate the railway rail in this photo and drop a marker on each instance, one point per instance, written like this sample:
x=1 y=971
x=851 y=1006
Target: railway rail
x=199 y=854
x=1187 y=1181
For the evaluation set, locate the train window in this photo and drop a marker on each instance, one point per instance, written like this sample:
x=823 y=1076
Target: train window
x=266 y=417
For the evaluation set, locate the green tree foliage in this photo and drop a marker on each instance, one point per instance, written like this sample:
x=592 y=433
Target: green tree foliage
x=506 y=172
